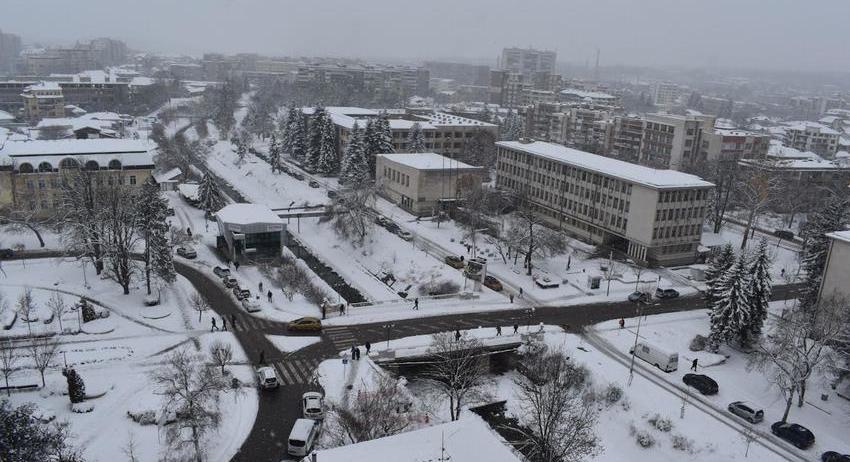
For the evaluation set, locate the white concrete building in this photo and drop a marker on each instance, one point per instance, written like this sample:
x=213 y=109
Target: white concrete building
x=836 y=274
x=655 y=216
x=814 y=137
x=673 y=141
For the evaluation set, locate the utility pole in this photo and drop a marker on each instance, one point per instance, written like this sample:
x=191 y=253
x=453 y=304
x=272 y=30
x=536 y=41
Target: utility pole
x=634 y=348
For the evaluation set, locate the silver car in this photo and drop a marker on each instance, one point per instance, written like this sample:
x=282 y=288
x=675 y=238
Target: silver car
x=746 y=411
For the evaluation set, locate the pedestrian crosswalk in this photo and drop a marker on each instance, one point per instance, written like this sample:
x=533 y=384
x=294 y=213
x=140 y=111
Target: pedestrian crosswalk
x=341 y=337
x=244 y=323
x=294 y=371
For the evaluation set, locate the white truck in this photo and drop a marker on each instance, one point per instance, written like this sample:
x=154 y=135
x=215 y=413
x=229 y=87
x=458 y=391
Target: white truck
x=667 y=361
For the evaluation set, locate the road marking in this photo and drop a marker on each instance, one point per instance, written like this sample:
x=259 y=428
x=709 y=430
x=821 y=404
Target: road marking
x=280 y=372
x=296 y=372
x=284 y=373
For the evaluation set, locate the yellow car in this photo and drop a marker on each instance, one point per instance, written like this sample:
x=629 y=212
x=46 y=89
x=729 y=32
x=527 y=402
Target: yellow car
x=305 y=324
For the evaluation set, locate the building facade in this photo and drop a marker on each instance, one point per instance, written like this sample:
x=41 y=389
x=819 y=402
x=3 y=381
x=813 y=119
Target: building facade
x=10 y=50
x=247 y=232
x=811 y=180
x=673 y=141
x=655 y=216
x=836 y=273
x=528 y=60
x=814 y=137
x=731 y=145
x=43 y=99
x=418 y=182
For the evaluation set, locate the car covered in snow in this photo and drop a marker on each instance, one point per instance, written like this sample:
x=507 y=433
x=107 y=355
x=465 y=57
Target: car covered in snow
x=406 y=235
x=250 y=305
x=267 y=378
x=455 y=261
x=545 y=283
x=186 y=252
x=309 y=324
x=241 y=294
x=221 y=271
x=313 y=405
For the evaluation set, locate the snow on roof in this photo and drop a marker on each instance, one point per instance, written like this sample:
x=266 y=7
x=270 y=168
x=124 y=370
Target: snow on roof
x=343 y=111
x=816 y=163
x=734 y=132
x=44 y=85
x=427 y=161
x=806 y=125
x=779 y=151
x=587 y=94
x=189 y=190
x=246 y=214
x=840 y=235
x=168 y=176
x=466 y=440
x=6 y=116
x=75 y=147
x=442 y=119
x=653 y=178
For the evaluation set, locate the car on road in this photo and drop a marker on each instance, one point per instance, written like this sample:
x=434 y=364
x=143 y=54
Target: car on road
x=660 y=357
x=314 y=184
x=313 y=405
x=703 y=383
x=250 y=305
x=545 y=283
x=391 y=226
x=795 y=434
x=186 y=252
x=666 y=293
x=832 y=456
x=639 y=297
x=230 y=282
x=455 y=261
x=297 y=175
x=406 y=235
x=169 y=212
x=7 y=253
x=267 y=378
x=332 y=194
x=241 y=294
x=309 y=324
x=221 y=271
x=302 y=437
x=492 y=283
x=382 y=220
x=784 y=234
x=746 y=411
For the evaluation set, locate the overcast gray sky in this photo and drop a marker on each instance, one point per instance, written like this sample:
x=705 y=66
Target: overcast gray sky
x=774 y=34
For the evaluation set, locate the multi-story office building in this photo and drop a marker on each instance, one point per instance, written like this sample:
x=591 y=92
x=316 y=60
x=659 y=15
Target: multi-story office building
x=527 y=60
x=462 y=73
x=673 y=141
x=811 y=180
x=508 y=88
x=731 y=145
x=627 y=138
x=814 y=137
x=655 y=216
x=10 y=50
x=837 y=270
x=665 y=94
x=31 y=172
x=43 y=99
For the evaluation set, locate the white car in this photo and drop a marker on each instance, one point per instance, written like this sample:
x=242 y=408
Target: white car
x=545 y=283
x=267 y=378
x=407 y=236
x=250 y=305
x=313 y=404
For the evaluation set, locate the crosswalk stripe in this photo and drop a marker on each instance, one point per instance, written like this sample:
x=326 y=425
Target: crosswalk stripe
x=335 y=329
x=279 y=371
x=284 y=373
x=296 y=373
x=306 y=370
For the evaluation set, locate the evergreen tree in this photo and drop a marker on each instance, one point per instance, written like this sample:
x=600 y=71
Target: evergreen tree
x=152 y=210
x=76 y=386
x=274 y=153
x=760 y=291
x=287 y=130
x=832 y=217
x=378 y=139
x=416 y=139
x=731 y=311
x=355 y=169
x=719 y=265
x=328 y=157
x=315 y=138
x=298 y=137
x=210 y=199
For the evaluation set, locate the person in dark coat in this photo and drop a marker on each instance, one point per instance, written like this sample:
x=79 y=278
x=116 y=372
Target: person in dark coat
x=236 y=265
x=262 y=356
x=214 y=327
x=261 y=286
x=516 y=328
x=511 y=296
x=353 y=353
x=368 y=348
x=189 y=232
x=416 y=303
x=233 y=320
x=498 y=330
x=270 y=296
x=457 y=336
x=694 y=364
x=224 y=323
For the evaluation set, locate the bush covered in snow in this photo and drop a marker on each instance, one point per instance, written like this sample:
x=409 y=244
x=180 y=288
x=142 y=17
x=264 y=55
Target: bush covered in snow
x=642 y=437
x=147 y=417
x=683 y=443
x=76 y=386
x=663 y=424
x=612 y=394
x=698 y=343
x=439 y=288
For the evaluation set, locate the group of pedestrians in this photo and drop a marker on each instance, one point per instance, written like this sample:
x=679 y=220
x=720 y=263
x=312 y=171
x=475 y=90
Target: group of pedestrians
x=355 y=351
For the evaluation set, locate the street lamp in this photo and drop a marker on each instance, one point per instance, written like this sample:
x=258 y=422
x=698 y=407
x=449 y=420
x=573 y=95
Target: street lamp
x=388 y=327
x=634 y=347
x=530 y=313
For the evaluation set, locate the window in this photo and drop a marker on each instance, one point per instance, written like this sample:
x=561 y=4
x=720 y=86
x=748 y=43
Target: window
x=132 y=180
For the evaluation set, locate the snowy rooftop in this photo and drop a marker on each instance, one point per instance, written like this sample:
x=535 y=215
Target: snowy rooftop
x=806 y=125
x=344 y=111
x=798 y=164
x=170 y=175
x=441 y=119
x=246 y=214
x=840 y=235
x=587 y=94
x=75 y=147
x=95 y=119
x=44 y=86
x=427 y=161
x=653 y=178
x=466 y=440
x=777 y=150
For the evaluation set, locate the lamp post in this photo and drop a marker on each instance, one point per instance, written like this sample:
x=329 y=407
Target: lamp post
x=388 y=327
x=634 y=347
x=530 y=313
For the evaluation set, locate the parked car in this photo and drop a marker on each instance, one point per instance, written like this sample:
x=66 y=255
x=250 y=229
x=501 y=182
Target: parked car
x=284 y=169
x=666 y=360
x=492 y=283
x=391 y=226
x=455 y=261
x=250 y=305
x=784 y=234
x=795 y=434
x=230 y=282
x=267 y=378
x=305 y=324
x=221 y=271
x=332 y=194
x=832 y=456
x=314 y=184
x=170 y=211
x=666 y=293
x=382 y=220
x=545 y=283
x=186 y=252
x=313 y=405
x=7 y=253
x=297 y=175
x=746 y=411
x=639 y=297
x=241 y=294
x=302 y=437
x=406 y=235
x=703 y=383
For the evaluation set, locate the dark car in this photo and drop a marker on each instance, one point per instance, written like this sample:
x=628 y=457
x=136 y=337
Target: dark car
x=639 y=297
x=221 y=271
x=392 y=227
x=832 y=456
x=297 y=175
x=747 y=411
x=703 y=383
x=666 y=293
x=332 y=194
x=784 y=234
x=455 y=261
x=314 y=184
x=7 y=253
x=795 y=434
x=492 y=283
x=240 y=293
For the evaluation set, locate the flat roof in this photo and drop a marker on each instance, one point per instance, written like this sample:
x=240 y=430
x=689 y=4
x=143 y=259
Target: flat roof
x=427 y=161
x=587 y=94
x=246 y=214
x=840 y=235
x=75 y=147
x=639 y=174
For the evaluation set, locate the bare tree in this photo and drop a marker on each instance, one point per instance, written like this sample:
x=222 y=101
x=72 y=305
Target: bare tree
x=24 y=220
x=8 y=362
x=351 y=214
x=528 y=232
x=121 y=234
x=723 y=174
x=199 y=303
x=475 y=200
x=43 y=351
x=378 y=411
x=57 y=306
x=221 y=354
x=26 y=308
x=130 y=448
x=191 y=391
x=557 y=416
x=458 y=371
x=754 y=193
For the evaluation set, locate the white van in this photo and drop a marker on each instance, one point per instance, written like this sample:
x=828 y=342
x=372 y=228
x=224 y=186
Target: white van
x=665 y=360
x=302 y=437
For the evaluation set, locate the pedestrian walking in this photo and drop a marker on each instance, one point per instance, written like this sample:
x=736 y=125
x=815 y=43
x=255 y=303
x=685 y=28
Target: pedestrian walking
x=520 y=292
x=224 y=324
x=353 y=353
x=341 y=309
x=516 y=328
x=324 y=311
x=357 y=350
x=622 y=323
x=236 y=265
x=511 y=296
x=261 y=286
x=457 y=336
x=498 y=331
x=189 y=232
x=782 y=272
x=694 y=364
x=368 y=348
x=416 y=303
x=214 y=327
x=262 y=356
x=233 y=320
x=270 y=296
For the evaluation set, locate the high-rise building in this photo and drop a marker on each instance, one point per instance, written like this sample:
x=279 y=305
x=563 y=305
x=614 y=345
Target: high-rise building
x=815 y=137
x=665 y=94
x=10 y=50
x=674 y=141
x=527 y=61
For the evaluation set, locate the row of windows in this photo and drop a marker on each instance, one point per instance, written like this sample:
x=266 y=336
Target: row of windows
x=396 y=176
x=666 y=232
x=560 y=170
x=683 y=195
x=55 y=183
x=68 y=163
x=676 y=214
x=678 y=248
x=430 y=134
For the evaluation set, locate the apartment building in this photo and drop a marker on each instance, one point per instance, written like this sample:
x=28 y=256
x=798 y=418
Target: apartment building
x=665 y=94
x=43 y=99
x=674 y=141
x=508 y=88
x=731 y=145
x=595 y=98
x=837 y=270
x=10 y=50
x=655 y=216
x=417 y=182
x=31 y=172
x=527 y=60
x=627 y=138
x=811 y=179
x=814 y=137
